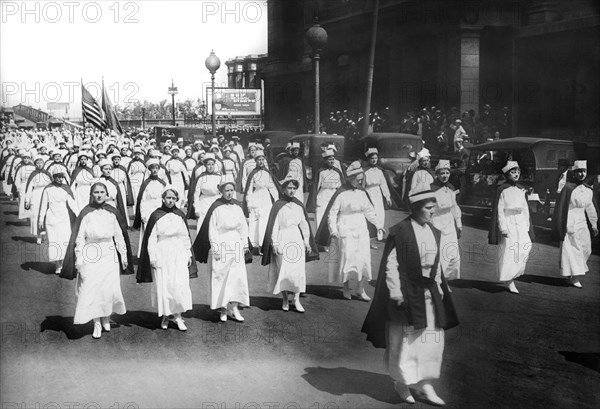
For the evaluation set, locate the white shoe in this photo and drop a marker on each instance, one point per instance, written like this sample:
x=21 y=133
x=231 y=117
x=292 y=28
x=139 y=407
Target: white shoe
x=363 y=296
x=105 y=323
x=180 y=324
x=513 y=288
x=97 y=330
x=575 y=282
x=38 y=240
x=285 y=305
x=223 y=316
x=404 y=392
x=235 y=314
x=164 y=324
x=297 y=305
x=429 y=394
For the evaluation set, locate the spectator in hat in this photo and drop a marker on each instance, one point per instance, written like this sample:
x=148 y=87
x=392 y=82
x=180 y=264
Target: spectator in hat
x=574 y=208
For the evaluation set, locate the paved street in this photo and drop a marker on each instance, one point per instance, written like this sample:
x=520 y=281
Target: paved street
x=539 y=349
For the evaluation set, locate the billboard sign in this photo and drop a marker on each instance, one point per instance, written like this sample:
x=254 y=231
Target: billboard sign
x=230 y=101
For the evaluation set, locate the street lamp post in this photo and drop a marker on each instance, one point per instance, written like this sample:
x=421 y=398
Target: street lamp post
x=143 y=118
x=212 y=64
x=173 y=92
x=316 y=37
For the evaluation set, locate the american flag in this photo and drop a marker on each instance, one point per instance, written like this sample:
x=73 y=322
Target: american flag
x=92 y=111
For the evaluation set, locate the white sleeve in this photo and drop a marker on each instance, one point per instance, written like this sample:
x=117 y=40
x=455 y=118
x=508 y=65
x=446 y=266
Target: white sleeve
x=392 y=277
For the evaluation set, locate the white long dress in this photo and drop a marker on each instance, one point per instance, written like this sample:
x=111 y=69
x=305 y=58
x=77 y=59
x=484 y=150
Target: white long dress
x=98 y=283
x=178 y=172
x=54 y=209
x=33 y=196
x=169 y=249
x=351 y=252
x=513 y=218
x=376 y=187
x=207 y=191
x=150 y=201
x=414 y=355
x=230 y=170
x=81 y=186
x=228 y=234
x=21 y=178
x=136 y=171
x=577 y=245
x=290 y=236
x=329 y=181
x=447 y=218
x=247 y=168
x=260 y=197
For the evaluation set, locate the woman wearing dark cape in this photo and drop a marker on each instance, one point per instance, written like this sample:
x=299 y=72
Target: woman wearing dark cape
x=222 y=242
x=412 y=305
x=98 y=250
x=167 y=261
x=288 y=244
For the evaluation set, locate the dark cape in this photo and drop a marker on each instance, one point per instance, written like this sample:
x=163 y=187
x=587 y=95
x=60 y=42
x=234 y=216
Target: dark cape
x=413 y=283
x=69 y=271
x=494 y=234
x=201 y=245
x=250 y=176
x=128 y=190
x=14 y=190
x=437 y=185
x=137 y=222
x=80 y=169
x=191 y=210
x=9 y=178
x=36 y=172
x=66 y=188
x=144 y=271
x=323 y=235
x=561 y=210
x=267 y=246
x=311 y=203
x=120 y=205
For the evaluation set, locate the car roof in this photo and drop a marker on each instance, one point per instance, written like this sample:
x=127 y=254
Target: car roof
x=389 y=135
x=324 y=136
x=518 y=142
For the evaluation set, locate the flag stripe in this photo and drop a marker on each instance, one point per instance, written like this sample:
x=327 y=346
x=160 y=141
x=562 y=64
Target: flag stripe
x=112 y=122
x=92 y=112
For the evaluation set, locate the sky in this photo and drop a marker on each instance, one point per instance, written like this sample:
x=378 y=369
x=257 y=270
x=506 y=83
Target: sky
x=48 y=47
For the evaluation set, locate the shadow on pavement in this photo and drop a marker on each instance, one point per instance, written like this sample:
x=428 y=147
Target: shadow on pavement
x=12 y=213
x=325 y=291
x=46 y=268
x=339 y=381
x=485 y=286
x=553 y=281
x=26 y=239
x=202 y=312
x=144 y=319
x=65 y=324
x=19 y=224
x=267 y=303
x=588 y=359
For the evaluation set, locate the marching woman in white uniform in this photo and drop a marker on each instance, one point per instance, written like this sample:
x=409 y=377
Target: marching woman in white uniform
x=576 y=201
x=328 y=180
x=38 y=180
x=166 y=260
x=21 y=178
x=262 y=189
x=249 y=164
x=179 y=177
x=136 y=169
x=82 y=179
x=204 y=190
x=288 y=242
x=222 y=242
x=345 y=223
x=58 y=210
x=412 y=305
x=98 y=251
x=447 y=219
x=376 y=185
x=511 y=227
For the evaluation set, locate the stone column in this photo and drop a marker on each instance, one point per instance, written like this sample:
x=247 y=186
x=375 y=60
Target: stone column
x=469 y=70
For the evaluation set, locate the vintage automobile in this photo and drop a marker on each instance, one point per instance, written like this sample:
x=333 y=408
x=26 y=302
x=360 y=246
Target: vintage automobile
x=394 y=150
x=538 y=159
x=279 y=139
x=310 y=150
x=189 y=134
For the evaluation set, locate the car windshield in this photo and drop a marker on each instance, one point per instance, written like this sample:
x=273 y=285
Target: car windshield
x=487 y=165
x=397 y=148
